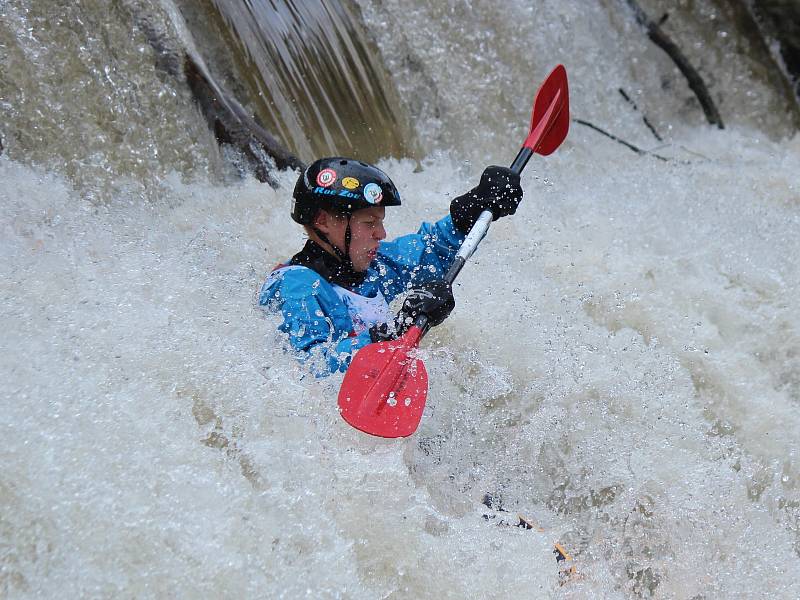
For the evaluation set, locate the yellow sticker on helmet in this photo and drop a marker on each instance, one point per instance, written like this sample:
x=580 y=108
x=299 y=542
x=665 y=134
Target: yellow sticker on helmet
x=350 y=183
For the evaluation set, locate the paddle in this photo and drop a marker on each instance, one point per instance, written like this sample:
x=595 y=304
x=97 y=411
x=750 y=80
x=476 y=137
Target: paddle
x=386 y=385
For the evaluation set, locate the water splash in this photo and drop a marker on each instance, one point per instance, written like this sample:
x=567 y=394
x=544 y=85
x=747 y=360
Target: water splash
x=621 y=366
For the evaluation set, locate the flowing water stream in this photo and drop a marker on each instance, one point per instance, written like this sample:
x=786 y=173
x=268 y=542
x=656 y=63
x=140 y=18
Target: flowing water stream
x=623 y=365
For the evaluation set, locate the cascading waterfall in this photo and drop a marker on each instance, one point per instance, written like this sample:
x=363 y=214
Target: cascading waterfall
x=622 y=366
x=315 y=78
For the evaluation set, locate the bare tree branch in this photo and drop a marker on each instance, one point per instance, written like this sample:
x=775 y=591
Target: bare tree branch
x=663 y=41
x=616 y=139
x=644 y=118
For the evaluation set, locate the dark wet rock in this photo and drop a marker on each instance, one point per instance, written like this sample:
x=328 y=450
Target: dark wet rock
x=167 y=53
x=779 y=20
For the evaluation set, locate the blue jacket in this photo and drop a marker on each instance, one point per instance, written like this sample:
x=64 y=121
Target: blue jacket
x=317 y=320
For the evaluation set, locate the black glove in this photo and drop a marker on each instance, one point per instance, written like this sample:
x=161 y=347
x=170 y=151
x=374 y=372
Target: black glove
x=382 y=332
x=433 y=299
x=499 y=191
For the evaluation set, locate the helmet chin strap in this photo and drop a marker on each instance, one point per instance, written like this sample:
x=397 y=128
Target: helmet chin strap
x=344 y=257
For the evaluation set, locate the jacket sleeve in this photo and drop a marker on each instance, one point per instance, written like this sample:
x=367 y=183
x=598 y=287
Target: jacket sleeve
x=316 y=339
x=315 y=320
x=418 y=257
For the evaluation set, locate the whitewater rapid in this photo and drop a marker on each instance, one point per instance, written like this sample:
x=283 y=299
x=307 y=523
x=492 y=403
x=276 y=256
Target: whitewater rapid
x=622 y=366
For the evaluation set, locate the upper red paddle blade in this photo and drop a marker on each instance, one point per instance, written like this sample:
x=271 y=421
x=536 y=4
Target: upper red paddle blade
x=550 y=117
x=385 y=387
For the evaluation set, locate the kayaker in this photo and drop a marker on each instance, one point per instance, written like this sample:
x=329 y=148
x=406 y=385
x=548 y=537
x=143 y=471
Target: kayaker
x=334 y=294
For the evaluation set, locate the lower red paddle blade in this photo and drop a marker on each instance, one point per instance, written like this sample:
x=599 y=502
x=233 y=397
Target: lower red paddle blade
x=550 y=117
x=384 y=389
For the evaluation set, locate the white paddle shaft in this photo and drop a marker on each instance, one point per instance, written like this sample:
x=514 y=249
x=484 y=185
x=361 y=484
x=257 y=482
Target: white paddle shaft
x=469 y=245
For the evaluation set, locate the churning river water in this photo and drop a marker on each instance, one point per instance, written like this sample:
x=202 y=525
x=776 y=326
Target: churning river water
x=623 y=365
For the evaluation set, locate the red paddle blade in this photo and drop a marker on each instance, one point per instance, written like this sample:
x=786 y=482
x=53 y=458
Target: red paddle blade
x=550 y=117
x=385 y=388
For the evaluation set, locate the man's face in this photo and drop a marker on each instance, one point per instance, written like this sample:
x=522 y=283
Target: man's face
x=366 y=230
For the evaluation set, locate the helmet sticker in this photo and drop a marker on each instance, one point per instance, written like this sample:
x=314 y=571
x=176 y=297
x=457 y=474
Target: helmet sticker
x=373 y=193
x=350 y=183
x=326 y=177
x=343 y=193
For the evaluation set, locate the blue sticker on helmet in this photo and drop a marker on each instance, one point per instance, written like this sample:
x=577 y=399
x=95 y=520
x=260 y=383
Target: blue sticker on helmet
x=373 y=193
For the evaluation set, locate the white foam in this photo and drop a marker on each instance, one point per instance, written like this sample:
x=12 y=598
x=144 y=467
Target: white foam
x=621 y=364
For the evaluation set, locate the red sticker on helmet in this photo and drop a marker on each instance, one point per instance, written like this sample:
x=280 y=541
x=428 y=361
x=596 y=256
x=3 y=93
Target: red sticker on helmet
x=326 y=177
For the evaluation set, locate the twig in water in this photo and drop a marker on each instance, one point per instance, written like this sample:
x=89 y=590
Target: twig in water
x=644 y=118
x=616 y=139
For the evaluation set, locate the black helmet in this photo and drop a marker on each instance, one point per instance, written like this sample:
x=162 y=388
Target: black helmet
x=341 y=185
